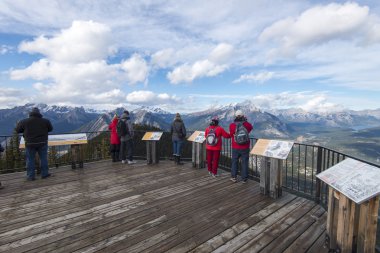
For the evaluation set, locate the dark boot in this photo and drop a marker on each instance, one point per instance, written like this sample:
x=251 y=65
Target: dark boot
x=117 y=159
x=179 y=160
x=175 y=159
x=113 y=155
x=73 y=165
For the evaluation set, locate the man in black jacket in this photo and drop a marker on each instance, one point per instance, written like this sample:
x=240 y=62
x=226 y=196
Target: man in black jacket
x=35 y=131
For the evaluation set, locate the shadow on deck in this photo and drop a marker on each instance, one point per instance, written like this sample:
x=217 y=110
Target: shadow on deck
x=162 y=208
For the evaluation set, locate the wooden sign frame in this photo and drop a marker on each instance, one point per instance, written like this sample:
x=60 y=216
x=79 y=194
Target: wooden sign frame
x=197 y=136
x=272 y=148
x=152 y=136
x=357 y=180
x=62 y=139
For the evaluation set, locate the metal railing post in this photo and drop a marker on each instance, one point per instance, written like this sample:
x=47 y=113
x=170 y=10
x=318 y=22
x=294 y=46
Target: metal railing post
x=317 y=180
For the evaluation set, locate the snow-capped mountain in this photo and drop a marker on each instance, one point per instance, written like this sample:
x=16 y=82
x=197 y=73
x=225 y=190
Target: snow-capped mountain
x=64 y=118
x=343 y=119
x=267 y=124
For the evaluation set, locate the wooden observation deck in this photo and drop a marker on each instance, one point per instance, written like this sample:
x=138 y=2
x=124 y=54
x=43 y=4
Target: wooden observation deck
x=109 y=207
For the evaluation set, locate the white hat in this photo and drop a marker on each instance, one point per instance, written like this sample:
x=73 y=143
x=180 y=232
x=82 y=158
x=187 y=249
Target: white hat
x=239 y=113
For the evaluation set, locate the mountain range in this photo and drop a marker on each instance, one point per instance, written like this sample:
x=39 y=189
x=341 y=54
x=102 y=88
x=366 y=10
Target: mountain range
x=351 y=132
x=267 y=124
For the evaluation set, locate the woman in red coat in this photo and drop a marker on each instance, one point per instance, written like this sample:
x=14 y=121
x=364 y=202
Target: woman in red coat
x=214 y=134
x=115 y=139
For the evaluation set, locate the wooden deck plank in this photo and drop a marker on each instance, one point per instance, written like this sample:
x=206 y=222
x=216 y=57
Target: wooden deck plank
x=241 y=239
x=181 y=218
x=109 y=207
x=91 y=231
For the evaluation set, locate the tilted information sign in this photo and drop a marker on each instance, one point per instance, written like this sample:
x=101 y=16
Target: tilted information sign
x=358 y=181
x=272 y=148
x=197 y=136
x=62 y=139
x=152 y=136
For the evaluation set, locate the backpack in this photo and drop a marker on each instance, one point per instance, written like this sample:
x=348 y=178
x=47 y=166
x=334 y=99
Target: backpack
x=241 y=136
x=121 y=128
x=211 y=138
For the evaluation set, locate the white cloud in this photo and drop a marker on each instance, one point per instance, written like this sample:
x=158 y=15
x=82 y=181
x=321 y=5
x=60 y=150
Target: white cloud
x=12 y=96
x=75 y=69
x=317 y=25
x=164 y=58
x=84 y=41
x=136 y=69
x=308 y=101
x=144 y=97
x=203 y=68
x=221 y=53
x=260 y=77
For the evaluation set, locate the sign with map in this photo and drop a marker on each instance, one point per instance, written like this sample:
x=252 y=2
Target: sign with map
x=358 y=181
x=272 y=148
x=152 y=136
x=62 y=139
x=197 y=136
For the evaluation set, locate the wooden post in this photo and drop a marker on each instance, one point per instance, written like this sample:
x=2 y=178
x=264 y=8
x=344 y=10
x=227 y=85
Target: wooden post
x=264 y=176
x=198 y=155
x=345 y=226
x=368 y=225
x=193 y=154
x=271 y=177
x=351 y=227
x=275 y=178
x=77 y=156
x=331 y=220
x=148 y=153
x=151 y=152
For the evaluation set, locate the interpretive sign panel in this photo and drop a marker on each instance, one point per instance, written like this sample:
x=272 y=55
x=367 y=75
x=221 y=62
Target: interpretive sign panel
x=152 y=136
x=356 y=180
x=197 y=136
x=62 y=139
x=272 y=148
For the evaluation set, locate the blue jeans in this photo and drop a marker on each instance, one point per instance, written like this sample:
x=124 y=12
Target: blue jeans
x=177 y=146
x=30 y=160
x=126 y=150
x=236 y=154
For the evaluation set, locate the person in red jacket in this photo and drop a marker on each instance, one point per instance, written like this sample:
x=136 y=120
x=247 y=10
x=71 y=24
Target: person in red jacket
x=214 y=134
x=115 y=139
x=239 y=131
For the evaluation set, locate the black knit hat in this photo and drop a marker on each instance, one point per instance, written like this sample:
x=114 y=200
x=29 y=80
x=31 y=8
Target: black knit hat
x=35 y=110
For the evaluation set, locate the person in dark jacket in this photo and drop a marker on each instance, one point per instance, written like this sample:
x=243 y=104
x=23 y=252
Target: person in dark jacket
x=178 y=132
x=240 y=150
x=126 y=141
x=35 y=130
x=115 y=139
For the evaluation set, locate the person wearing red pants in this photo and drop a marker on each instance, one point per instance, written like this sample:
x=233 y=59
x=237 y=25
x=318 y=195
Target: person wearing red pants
x=214 y=134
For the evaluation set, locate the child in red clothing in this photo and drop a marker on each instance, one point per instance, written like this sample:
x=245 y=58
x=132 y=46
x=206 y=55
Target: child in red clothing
x=213 y=149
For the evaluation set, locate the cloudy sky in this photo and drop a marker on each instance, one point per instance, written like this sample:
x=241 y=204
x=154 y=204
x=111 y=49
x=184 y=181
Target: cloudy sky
x=191 y=55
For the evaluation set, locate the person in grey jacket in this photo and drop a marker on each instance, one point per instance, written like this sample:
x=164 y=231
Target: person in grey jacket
x=126 y=141
x=178 y=132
